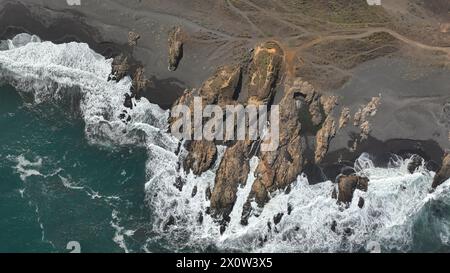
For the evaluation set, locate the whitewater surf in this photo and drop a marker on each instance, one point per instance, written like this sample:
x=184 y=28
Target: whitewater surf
x=398 y=214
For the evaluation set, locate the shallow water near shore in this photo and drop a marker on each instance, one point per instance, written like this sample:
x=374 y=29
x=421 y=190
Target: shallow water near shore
x=56 y=188
x=110 y=184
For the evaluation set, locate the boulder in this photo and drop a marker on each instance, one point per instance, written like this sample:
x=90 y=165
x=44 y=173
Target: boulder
x=347 y=184
x=415 y=162
x=133 y=37
x=444 y=173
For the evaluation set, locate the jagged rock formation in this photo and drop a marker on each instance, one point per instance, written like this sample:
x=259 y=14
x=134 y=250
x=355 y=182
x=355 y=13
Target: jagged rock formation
x=120 y=67
x=277 y=169
x=222 y=88
x=233 y=171
x=347 y=186
x=202 y=155
x=140 y=82
x=362 y=116
x=328 y=103
x=415 y=163
x=175 y=48
x=133 y=38
x=344 y=117
x=362 y=119
x=323 y=138
x=264 y=72
x=303 y=112
x=444 y=173
x=313 y=100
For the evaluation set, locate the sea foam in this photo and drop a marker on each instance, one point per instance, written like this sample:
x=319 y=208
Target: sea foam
x=394 y=203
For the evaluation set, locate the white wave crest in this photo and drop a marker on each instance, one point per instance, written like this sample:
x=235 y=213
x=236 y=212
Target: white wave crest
x=50 y=72
x=311 y=220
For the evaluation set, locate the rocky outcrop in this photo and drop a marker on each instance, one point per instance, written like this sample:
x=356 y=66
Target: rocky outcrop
x=366 y=111
x=328 y=103
x=347 y=184
x=314 y=101
x=222 y=88
x=362 y=119
x=175 y=48
x=323 y=138
x=344 y=118
x=363 y=114
x=414 y=163
x=140 y=82
x=233 y=172
x=444 y=173
x=202 y=155
x=278 y=169
x=264 y=72
x=120 y=68
x=133 y=38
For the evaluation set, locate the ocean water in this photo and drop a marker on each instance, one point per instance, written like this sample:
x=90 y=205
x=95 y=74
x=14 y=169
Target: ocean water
x=73 y=169
x=56 y=188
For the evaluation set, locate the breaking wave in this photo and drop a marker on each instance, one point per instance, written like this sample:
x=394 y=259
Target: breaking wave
x=396 y=205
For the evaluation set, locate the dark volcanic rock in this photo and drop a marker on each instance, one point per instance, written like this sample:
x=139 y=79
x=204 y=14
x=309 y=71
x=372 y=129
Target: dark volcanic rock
x=120 y=67
x=277 y=218
x=194 y=192
x=128 y=102
x=416 y=162
x=347 y=186
x=175 y=48
x=444 y=173
x=361 y=202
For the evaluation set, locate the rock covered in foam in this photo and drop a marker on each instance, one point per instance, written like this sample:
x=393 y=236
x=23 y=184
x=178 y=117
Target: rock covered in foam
x=23 y=39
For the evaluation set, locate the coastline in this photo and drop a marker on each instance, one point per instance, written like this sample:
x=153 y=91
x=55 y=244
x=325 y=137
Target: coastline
x=179 y=199
x=70 y=25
